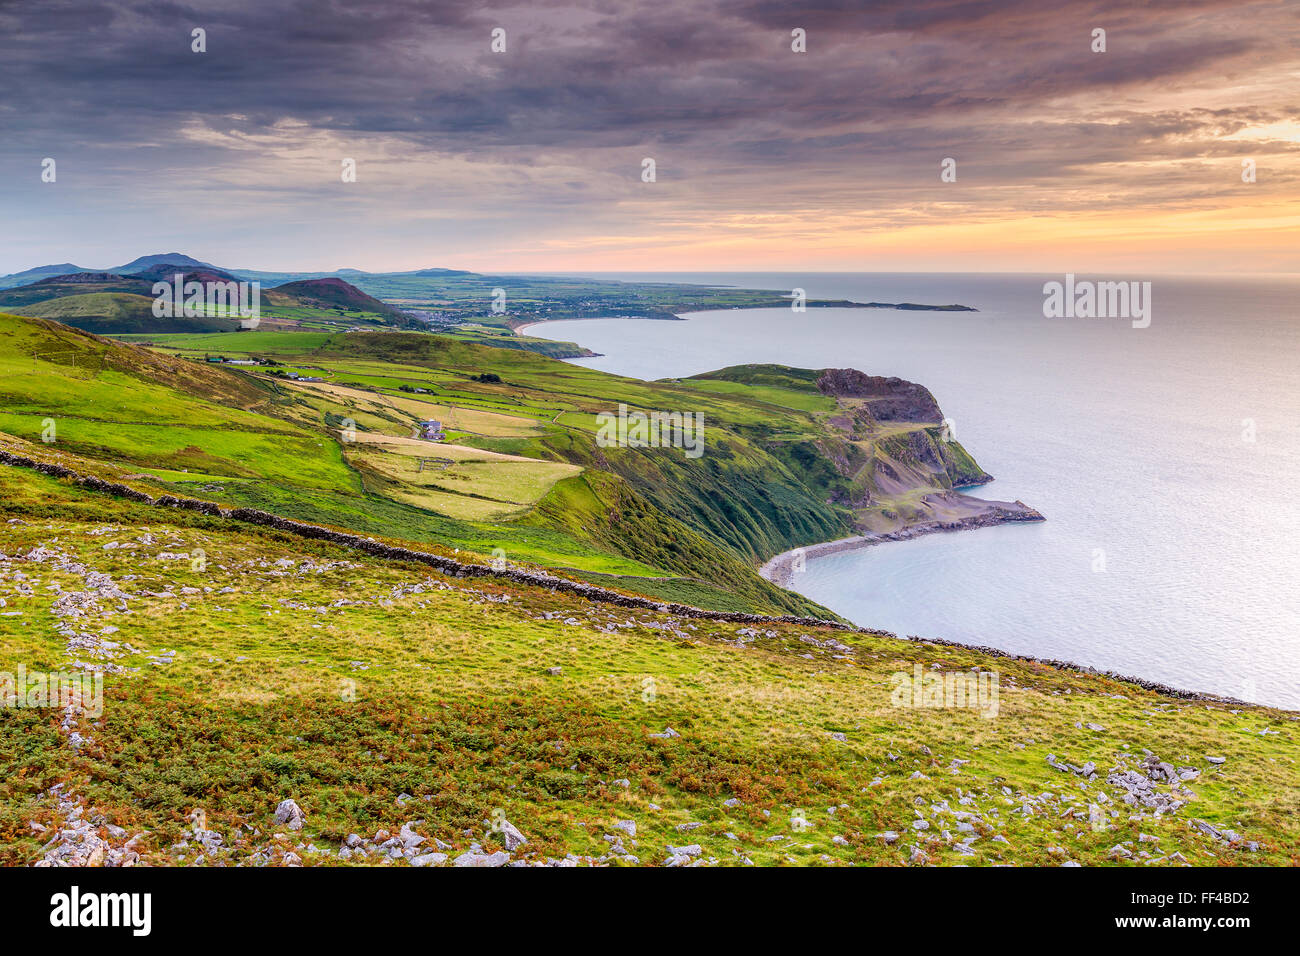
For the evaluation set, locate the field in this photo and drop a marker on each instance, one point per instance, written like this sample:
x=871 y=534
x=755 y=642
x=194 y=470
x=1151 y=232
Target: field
x=781 y=463
x=247 y=437
x=408 y=711
x=380 y=696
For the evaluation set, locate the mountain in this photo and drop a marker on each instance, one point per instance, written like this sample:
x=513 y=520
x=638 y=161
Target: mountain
x=437 y=273
x=165 y=258
x=327 y=299
x=111 y=304
x=16 y=299
x=290 y=598
x=331 y=293
x=167 y=271
x=40 y=272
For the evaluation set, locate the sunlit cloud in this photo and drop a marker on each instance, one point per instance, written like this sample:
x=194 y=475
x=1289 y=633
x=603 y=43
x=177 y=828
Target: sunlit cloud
x=765 y=157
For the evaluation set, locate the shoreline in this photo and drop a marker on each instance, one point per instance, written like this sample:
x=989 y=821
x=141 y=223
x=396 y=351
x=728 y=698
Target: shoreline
x=779 y=571
x=781 y=568
x=522 y=329
x=782 y=303
x=456 y=568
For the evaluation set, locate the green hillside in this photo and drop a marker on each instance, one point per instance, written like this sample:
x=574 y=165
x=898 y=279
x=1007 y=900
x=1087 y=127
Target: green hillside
x=253 y=439
x=121 y=313
x=397 y=705
x=411 y=682
x=23 y=297
x=781 y=463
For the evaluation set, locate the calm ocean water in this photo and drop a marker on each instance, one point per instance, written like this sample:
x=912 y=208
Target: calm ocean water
x=1164 y=459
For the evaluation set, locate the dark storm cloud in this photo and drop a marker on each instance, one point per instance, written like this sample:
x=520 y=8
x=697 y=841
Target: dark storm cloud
x=712 y=88
x=638 y=70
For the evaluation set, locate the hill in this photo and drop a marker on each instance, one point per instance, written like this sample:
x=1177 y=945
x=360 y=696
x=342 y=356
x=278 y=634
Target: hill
x=166 y=258
x=527 y=473
x=505 y=486
x=398 y=702
x=314 y=303
x=39 y=272
x=167 y=272
x=121 y=313
x=332 y=294
x=71 y=284
x=291 y=598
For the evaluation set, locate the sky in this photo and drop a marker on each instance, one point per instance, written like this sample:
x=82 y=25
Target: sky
x=765 y=158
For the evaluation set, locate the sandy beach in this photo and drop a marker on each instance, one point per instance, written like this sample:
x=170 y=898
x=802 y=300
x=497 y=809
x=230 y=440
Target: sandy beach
x=980 y=513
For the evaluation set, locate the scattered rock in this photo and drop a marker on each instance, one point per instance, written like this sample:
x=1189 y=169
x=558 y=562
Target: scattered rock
x=290 y=814
x=510 y=836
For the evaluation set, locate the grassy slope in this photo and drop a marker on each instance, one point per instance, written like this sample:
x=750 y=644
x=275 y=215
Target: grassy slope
x=120 y=312
x=438 y=689
x=772 y=463
x=277 y=450
x=776 y=473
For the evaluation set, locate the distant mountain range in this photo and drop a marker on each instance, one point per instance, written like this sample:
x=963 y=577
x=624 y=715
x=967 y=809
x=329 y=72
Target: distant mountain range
x=488 y=308
x=151 y=263
x=132 y=267
x=166 y=258
x=120 y=300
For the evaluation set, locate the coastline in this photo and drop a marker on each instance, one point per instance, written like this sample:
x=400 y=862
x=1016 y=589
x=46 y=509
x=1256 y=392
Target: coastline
x=780 y=570
x=780 y=303
x=590 y=592
x=523 y=329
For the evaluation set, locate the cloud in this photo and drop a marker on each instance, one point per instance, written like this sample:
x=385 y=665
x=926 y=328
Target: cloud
x=550 y=135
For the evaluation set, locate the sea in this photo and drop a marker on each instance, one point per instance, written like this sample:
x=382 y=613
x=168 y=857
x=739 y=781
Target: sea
x=1162 y=451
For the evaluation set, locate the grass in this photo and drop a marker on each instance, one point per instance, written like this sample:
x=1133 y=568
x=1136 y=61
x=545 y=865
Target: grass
x=438 y=688
x=777 y=471
x=495 y=488
x=234 y=344
x=276 y=445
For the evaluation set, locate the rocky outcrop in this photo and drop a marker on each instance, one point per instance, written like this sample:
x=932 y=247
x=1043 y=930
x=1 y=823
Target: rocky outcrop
x=888 y=399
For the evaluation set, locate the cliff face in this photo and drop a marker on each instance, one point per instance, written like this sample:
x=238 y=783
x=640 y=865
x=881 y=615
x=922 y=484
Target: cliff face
x=894 y=470
x=874 y=448
x=895 y=464
x=886 y=399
